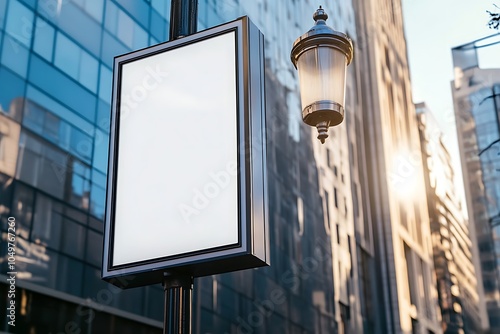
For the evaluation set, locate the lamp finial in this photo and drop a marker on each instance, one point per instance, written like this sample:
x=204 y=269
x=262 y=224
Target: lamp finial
x=320 y=14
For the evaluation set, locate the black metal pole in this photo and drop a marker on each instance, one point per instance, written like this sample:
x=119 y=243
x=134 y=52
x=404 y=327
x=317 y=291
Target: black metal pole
x=178 y=304
x=179 y=289
x=183 y=18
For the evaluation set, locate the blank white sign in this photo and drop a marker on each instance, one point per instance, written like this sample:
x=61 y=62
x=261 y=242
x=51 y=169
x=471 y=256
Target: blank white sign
x=176 y=188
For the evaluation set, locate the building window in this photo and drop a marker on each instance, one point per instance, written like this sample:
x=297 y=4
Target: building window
x=15 y=56
x=92 y=7
x=345 y=206
x=125 y=28
x=76 y=62
x=20 y=23
x=355 y=199
x=44 y=39
x=327 y=212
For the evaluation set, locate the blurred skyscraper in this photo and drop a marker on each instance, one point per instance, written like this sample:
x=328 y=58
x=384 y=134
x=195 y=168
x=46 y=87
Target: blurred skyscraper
x=406 y=297
x=476 y=98
x=456 y=260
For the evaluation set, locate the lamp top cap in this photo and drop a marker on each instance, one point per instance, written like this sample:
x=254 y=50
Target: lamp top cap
x=320 y=14
x=321 y=35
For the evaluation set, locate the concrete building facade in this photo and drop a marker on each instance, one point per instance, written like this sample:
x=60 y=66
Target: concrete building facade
x=407 y=297
x=458 y=274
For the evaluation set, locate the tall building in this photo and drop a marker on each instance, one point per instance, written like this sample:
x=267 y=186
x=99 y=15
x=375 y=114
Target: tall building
x=476 y=99
x=458 y=275
x=55 y=90
x=406 y=297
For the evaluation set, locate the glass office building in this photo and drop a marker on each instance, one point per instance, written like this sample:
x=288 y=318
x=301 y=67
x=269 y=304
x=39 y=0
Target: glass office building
x=476 y=103
x=55 y=90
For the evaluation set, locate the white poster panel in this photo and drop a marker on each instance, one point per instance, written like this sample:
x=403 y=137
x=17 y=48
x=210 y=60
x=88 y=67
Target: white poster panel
x=176 y=183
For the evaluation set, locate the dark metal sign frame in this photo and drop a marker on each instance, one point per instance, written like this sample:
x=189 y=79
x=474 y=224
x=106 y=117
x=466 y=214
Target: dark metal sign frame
x=252 y=248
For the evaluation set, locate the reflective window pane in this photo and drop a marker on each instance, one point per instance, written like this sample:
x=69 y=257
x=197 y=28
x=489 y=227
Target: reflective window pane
x=39 y=264
x=19 y=22
x=162 y=7
x=47 y=222
x=69 y=275
x=51 y=127
x=98 y=178
x=67 y=56
x=15 y=56
x=23 y=209
x=103 y=114
x=64 y=113
x=101 y=151
x=71 y=18
x=41 y=165
x=158 y=26
x=94 y=248
x=125 y=28
x=140 y=38
x=96 y=224
x=95 y=8
x=7 y=187
x=54 y=129
x=3 y=5
x=89 y=67
x=92 y=7
x=97 y=197
x=59 y=85
x=44 y=39
x=11 y=98
x=81 y=144
x=9 y=139
x=105 y=84
x=73 y=242
x=111 y=22
x=34 y=117
x=79 y=187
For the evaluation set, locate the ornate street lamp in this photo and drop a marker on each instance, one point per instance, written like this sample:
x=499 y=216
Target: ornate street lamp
x=321 y=57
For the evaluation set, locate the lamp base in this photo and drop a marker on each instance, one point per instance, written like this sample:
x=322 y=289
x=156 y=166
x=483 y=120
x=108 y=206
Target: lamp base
x=322 y=115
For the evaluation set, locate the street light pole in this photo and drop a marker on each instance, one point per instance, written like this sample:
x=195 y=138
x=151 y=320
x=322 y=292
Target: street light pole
x=183 y=18
x=179 y=288
x=178 y=304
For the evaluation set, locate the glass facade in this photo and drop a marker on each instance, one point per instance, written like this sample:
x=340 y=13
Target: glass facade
x=476 y=102
x=55 y=92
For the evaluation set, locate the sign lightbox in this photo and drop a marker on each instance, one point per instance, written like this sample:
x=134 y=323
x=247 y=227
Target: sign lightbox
x=186 y=189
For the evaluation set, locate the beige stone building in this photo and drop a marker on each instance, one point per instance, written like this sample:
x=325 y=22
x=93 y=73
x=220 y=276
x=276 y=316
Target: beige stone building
x=459 y=279
x=407 y=298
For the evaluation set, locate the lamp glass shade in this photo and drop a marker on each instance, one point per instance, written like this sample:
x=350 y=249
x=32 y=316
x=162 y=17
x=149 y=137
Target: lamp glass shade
x=322 y=73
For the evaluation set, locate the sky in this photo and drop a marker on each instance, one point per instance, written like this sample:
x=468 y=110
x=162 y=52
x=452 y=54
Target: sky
x=432 y=29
